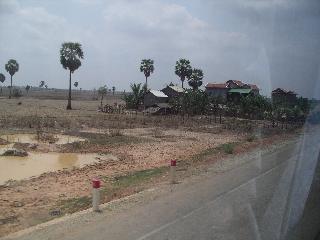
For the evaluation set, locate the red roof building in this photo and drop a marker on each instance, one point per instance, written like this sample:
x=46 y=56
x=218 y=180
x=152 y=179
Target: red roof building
x=221 y=89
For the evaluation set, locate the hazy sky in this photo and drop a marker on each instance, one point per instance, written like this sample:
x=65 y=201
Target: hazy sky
x=268 y=43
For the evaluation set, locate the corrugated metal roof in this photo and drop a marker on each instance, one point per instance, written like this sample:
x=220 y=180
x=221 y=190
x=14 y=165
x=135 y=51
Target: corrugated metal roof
x=240 y=90
x=177 y=89
x=217 y=85
x=158 y=93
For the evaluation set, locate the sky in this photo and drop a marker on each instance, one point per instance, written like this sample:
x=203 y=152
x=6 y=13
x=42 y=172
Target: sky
x=271 y=43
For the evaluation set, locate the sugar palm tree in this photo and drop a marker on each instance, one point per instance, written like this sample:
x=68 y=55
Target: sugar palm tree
x=2 y=79
x=42 y=83
x=102 y=92
x=113 y=90
x=147 y=68
x=195 y=79
x=12 y=67
x=27 y=89
x=70 y=55
x=183 y=69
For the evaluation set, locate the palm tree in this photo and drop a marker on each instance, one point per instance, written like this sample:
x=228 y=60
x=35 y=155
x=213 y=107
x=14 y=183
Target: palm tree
x=70 y=55
x=147 y=68
x=113 y=90
x=183 y=69
x=42 y=83
x=27 y=89
x=12 y=67
x=195 y=80
x=76 y=84
x=2 y=79
x=102 y=91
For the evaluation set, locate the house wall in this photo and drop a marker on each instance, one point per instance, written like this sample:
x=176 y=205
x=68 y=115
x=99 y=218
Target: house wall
x=215 y=92
x=285 y=99
x=151 y=100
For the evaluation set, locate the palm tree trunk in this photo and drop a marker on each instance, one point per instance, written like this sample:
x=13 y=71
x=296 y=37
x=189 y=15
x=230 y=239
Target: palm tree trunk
x=146 y=82
x=69 y=97
x=10 y=86
x=182 y=80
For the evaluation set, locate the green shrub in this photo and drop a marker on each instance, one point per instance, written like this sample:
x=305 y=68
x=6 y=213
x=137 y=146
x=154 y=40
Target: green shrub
x=228 y=148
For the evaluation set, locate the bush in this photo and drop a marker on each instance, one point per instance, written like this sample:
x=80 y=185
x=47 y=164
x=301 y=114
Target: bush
x=192 y=102
x=228 y=148
x=254 y=106
x=135 y=98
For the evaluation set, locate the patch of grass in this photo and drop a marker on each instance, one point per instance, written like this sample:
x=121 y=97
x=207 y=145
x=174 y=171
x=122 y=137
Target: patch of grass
x=128 y=184
x=136 y=178
x=72 y=205
x=228 y=147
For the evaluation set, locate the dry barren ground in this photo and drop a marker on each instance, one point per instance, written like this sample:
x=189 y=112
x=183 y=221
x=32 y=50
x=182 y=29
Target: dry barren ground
x=143 y=147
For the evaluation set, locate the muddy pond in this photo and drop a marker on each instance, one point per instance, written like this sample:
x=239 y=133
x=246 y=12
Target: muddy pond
x=18 y=168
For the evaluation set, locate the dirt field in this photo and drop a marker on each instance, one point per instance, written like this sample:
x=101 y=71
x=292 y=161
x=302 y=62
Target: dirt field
x=142 y=147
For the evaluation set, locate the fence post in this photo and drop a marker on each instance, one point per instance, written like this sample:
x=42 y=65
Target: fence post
x=96 y=194
x=173 y=165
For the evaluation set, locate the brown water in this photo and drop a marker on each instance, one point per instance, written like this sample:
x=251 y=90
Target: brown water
x=17 y=168
x=32 y=138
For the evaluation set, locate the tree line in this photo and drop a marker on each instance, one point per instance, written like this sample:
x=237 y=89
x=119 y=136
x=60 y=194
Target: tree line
x=183 y=70
x=198 y=102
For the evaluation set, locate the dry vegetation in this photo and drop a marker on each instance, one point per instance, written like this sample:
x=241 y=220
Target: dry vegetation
x=142 y=145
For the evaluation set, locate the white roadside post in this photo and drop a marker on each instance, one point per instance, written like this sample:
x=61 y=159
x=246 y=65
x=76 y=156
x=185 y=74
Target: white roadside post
x=96 y=194
x=173 y=165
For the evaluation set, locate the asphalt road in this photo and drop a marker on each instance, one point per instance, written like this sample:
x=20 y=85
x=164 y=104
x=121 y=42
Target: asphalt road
x=267 y=198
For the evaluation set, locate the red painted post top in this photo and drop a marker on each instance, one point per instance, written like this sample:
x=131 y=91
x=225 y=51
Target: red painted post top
x=173 y=163
x=96 y=183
